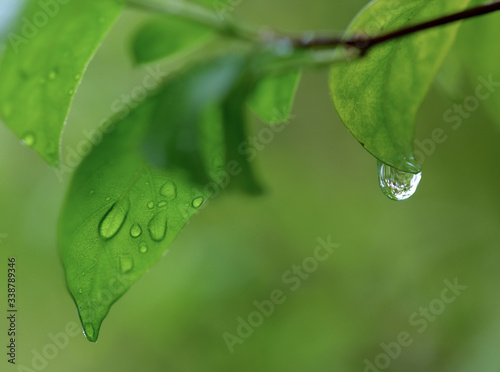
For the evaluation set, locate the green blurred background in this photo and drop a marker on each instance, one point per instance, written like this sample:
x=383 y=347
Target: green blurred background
x=392 y=260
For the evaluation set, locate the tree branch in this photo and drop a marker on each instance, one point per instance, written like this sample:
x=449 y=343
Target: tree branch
x=364 y=43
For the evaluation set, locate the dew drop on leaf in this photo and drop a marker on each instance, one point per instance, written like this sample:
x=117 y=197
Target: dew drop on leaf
x=151 y=205
x=157 y=226
x=71 y=91
x=135 y=230
x=169 y=190
x=126 y=264
x=52 y=74
x=114 y=219
x=162 y=204
x=80 y=291
x=396 y=184
x=143 y=247
x=29 y=139
x=197 y=202
x=89 y=332
x=108 y=198
x=92 y=192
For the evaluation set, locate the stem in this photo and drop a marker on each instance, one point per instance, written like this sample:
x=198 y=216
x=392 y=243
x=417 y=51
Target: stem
x=364 y=43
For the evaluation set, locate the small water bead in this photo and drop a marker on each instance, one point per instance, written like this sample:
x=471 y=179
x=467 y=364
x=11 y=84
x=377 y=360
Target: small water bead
x=108 y=198
x=52 y=74
x=197 y=202
x=126 y=264
x=89 y=332
x=80 y=291
x=162 y=204
x=114 y=219
x=157 y=226
x=135 y=230
x=396 y=184
x=143 y=247
x=169 y=190
x=92 y=192
x=71 y=92
x=151 y=205
x=29 y=139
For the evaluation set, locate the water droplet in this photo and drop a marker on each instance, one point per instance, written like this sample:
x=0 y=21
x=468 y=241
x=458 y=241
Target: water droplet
x=92 y=192
x=114 y=219
x=197 y=202
x=108 y=198
x=126 y=264
x=78 y=76
x=151 y=205
x=396 y=184
x=162 y=204
x=169 y=190
x=52 y=74
x=157 y=226
x=80 y=291
x=143 y=247
x=71 y=91
x=89 y=332
x=135 y=230
x=29 y=139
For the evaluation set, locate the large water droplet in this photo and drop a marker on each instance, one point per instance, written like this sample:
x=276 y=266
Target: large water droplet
x=89 y=332
x=114 y=219
x=157 y=226
x=29 y=139
x=143 y=247
x=135 y=230
x=126 y=264
x=197 y=202
x=169 y=190
x=396 y=184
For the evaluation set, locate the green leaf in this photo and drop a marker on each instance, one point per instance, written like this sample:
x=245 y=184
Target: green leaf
x=42 y=66
x=134 y=193
x=477 y=55
x=166 y=36
x=273 y=96
x=378 y=96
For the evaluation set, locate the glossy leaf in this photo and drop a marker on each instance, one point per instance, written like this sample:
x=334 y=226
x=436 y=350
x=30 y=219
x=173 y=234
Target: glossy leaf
x=46 y=55
x=477 y=56
x=134 y=193
x=166 y=36
x=273 y=96
x=378 y=96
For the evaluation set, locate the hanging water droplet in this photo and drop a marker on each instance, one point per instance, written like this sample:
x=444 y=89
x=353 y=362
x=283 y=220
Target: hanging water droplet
x=162 y=204
x=29 y=139
x=114 y=219
x=135 y=230
x=169 y=190
x=197 y=202
x=143 y=247
x=126 y=264
x=157 y=226
x=89 y=332
x=151 y=205
x=396 y=184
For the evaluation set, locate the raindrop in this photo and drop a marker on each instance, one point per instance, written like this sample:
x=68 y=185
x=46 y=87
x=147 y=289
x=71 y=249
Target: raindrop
x=108 y=198
x=169 y=190
x=396 y=184
x=197 y=202
x=89 y=332
x=29 y=139
x=135 y=230
x=151 y=205
x=52 y=74
x=80 y=291
x=92 y=192
x=157 y=226
x=71 y=91
x=78 y=76
x=143 y=247
x=114 y=219
x=126 y=264
x=162 y=204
